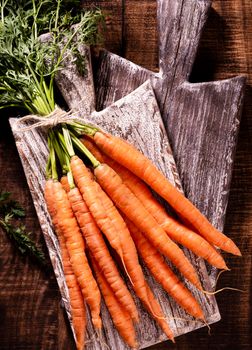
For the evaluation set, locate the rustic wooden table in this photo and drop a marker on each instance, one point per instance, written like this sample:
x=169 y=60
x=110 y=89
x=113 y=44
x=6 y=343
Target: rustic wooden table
x=30 y=313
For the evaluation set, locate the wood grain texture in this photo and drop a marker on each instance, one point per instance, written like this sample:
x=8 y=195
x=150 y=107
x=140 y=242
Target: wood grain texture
x=114 y=10
x=70 y=78
x=225 y=51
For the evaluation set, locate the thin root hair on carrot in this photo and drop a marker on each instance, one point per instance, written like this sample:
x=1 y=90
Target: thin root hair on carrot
x=209 y=329
x=126 y=271
x=99 y=337
x=92 y=338
x=190 y=320
x=184 y=319
x=219 y=274
x=221 y=290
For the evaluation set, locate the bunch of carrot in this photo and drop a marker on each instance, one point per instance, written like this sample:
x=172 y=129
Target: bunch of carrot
x=108 y=205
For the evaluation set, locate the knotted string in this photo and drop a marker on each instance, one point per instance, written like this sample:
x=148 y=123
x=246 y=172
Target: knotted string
x=58 y=116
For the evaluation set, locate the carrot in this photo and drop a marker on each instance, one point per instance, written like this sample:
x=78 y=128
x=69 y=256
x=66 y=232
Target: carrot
x=173 y=228
x=163 y=274
x=140 y=286
x=153 y=259
x=78 y=311
x=132 y=159
x=99 y=250
x=115 y=229
x=87 y=187
x=120 y=317
x=75 y=246
x=64 y=182
x=159 y=316
x=98 y=154
x=128 y=203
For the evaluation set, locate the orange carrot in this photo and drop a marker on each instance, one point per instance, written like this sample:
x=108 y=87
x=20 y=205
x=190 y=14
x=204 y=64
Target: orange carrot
x=115 y=229
x=163 y=274
x=64 y=182
x=87 y=187
x=158 y=313
x=120 y=317
x=173 y=228
x=99 y=250
x=134 y=270
x=97 y=153
x=75 y=246
x=132 y=159
x=128 y=203
x=76 y=300
x=78 y=311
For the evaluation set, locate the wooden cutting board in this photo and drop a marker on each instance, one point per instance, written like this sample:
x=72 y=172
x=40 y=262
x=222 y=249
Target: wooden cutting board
x=136 y=118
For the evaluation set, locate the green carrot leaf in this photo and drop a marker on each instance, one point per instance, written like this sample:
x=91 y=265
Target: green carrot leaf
x=4 y=195
x=28 y=62
x=10 y=210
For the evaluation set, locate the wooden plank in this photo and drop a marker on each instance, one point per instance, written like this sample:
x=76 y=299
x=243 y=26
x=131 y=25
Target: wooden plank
x=137 y=15
x=114 y=11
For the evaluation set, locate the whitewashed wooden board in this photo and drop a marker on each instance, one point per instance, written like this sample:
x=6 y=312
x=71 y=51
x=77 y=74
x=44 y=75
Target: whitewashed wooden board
x=136 y=118
x=201 y=119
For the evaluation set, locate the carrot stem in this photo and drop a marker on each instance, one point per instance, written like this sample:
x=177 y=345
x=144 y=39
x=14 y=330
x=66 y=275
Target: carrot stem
x=68 y=142
x=59 y=152
x=84 y=128
x=61 y=141
x=79 y=145
x=48 y=168
x=52 y=157
x=69 y=174
x=63 y=156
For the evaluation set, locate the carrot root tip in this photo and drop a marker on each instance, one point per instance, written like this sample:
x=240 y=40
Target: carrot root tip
x=222 y=289
x=209 y=329
x=136 y=320
x=199 y=286
x=238 y=253
x=98 y=333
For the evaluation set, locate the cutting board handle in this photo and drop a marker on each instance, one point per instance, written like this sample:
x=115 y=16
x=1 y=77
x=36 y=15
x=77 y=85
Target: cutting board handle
x=180 y=24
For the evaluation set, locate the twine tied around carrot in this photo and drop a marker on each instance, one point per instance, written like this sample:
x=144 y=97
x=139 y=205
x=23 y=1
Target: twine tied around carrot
x=58 y=116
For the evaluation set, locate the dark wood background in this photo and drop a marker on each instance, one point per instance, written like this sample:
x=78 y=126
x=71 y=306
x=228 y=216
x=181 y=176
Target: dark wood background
x=31 y=316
